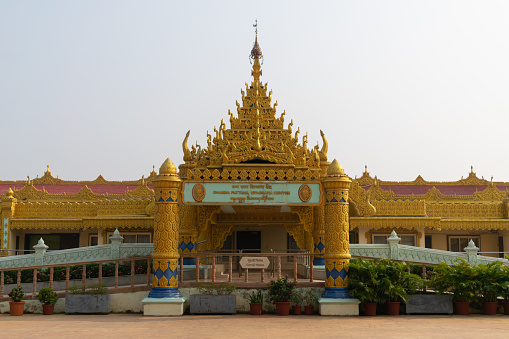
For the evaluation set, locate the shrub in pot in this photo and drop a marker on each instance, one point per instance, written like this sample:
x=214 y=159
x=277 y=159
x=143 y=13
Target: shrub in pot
x=16 y=306
x=395 y=283
x=492 y=278
x=363 y=284
x=297 y=303
x=255 y=302
x=310 y=300
x=280 y=292
x=48 y=298
x=459 y=279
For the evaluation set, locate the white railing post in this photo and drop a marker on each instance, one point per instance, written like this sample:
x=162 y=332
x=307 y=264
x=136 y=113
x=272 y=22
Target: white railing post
x=40 y=250
x=393 y=242
x=116 y=240
x=472 y=250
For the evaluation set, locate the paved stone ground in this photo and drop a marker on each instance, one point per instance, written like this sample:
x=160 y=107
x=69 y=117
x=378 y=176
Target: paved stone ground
x=246 y=326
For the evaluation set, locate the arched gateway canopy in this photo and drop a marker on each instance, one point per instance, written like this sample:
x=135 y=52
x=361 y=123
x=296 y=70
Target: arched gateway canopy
x=256 y=175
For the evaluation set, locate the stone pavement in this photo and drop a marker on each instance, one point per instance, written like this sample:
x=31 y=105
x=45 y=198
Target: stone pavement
x=246 y=326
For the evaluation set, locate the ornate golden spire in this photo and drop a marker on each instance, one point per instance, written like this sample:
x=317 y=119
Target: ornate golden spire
x=256 y=55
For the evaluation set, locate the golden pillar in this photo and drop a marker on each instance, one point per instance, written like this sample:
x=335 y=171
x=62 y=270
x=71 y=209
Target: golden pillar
x=319 y=235
x=7 y=210
x=166 y=233
x=188 y=232
x=337 y=248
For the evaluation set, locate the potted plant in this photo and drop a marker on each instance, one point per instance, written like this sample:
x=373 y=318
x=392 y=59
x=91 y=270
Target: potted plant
x=17 y=306
x=297 y=303
x=281 y=292
x=310 y=300
x=459 y=279
x=94 y=300
x=255 y=302
x=48 y=298
x=492 y=278
x=363 y=284
x=395 y=283
x=214 y=299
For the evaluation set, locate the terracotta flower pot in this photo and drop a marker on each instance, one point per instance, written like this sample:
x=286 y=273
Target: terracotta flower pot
x=392 y=307
x=282 y=308
x=370 y=309
x=506 y=307
x=489 y=308
x=255 y=308
x=309 y=310
x=16 y=307
x=48 y=309
x=297 y=309
x=462 y=307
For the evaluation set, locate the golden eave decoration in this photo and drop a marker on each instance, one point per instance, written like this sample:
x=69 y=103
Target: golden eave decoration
x=256 y=135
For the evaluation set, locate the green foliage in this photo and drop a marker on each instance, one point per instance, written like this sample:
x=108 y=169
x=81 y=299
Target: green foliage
x=460 y=279
x=219 y=289
x=255 y=297
x=94 y=288
x=76 y=289
x=310 y=298
x=297 y=299
x=363 y=280
x=98 y=288
x=281 y=290
x=381 y=281
x=47 y=296
x=16 y=294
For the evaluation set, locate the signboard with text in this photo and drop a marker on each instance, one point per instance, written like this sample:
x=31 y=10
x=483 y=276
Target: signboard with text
x=265 y=192
x=254 y=262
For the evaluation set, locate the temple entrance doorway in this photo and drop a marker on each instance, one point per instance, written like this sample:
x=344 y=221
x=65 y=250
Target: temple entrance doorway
x=249 y=241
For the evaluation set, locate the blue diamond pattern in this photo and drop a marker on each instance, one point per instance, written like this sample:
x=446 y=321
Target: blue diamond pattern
x=343 y=274
x=320 y=247
x=190 y=246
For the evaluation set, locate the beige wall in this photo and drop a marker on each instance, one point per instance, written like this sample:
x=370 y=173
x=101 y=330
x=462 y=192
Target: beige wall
x=439 y=242
x=362 y=235
x=274 y=238
x=489 y=243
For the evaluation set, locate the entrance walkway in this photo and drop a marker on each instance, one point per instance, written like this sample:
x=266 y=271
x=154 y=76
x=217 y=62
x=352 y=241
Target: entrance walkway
x=246 y=326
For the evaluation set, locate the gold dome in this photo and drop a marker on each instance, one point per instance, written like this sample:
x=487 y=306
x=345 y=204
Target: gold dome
x=167 y=167
x=9 y=193
x=335 y=169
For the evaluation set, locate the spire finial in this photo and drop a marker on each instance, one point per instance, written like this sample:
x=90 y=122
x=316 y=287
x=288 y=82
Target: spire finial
x=256 y=53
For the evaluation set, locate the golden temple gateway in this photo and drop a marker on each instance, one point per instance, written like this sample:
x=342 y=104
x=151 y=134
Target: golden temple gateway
x=258 y=185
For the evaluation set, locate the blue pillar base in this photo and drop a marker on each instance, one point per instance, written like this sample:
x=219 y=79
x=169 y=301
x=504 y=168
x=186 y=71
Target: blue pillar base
x=336 y=293
x=164 y=292
x=319 y=261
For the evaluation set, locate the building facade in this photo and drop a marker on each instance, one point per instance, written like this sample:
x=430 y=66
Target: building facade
x=258 y=185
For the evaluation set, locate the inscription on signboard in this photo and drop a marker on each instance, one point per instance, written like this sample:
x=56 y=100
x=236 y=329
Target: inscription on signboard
x=254 y=262
x=252 y=193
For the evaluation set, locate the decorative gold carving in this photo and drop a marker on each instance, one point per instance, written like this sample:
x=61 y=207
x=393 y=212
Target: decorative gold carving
x=305 y=214
x=491 y=193
x=250 y=173
x=45 y=209
x=142 y=192
x=360 y=198
x=198 y=192
x=123 y=207
x=475 y=224
x=219 y=235
x=394 y=222
x=399 y=230
x=465 y=210
x=255 y=135
x=46 y=224
x=400 y=207
x=304 y=193
x=30 y=192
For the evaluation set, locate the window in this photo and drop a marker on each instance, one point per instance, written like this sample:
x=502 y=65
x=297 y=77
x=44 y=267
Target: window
x=458 y=243
x=427 y=241
x=406 y=239
x=93 y=240
x=354 y=237
x=134 y=238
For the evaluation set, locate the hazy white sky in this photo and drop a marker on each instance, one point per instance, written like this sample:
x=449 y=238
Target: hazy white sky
x=111 y=87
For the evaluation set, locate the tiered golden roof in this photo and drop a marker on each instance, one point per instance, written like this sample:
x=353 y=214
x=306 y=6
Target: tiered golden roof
x=257 y=136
